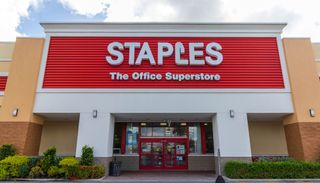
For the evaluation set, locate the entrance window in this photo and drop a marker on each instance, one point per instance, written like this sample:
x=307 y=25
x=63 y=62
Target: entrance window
x=117 y=138
x=158 y=132
x=155 y=130
x=132 y=138
x=194 y=138
x=146 y=132
x=209 y=137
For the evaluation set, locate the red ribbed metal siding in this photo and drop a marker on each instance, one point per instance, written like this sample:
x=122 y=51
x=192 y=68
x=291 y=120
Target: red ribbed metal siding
x=79 y=62
x=3 y=82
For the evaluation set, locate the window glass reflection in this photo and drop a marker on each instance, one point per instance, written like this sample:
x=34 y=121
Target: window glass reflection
x=132 y=138
x=195 y=139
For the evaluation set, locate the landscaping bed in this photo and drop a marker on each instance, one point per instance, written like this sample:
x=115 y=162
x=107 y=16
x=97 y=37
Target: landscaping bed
x=15 y=167
x=290 y=169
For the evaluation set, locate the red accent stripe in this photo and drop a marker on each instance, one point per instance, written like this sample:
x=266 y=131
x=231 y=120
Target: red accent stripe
x=79 y=62
x=203 y=139
x=123 y=137
x=3 y=82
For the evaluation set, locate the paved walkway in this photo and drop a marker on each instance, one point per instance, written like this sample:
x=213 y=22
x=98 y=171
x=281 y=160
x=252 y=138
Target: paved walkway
x=168 y=177
x=160 y=176
x=185 y=177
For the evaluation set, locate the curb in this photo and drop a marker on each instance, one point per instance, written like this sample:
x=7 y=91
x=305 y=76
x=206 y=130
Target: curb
x=271 y=180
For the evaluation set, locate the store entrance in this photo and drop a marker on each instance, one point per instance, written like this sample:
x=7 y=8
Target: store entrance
x=163 y=153
x=163 y=146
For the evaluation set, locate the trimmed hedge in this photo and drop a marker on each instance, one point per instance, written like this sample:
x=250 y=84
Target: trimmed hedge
x=272 y=170
x=12 y=166
x=86 y=156
x=90 y=172
x=6 y=150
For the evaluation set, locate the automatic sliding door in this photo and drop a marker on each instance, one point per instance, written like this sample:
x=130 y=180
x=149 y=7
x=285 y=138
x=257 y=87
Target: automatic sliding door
x=151 y=156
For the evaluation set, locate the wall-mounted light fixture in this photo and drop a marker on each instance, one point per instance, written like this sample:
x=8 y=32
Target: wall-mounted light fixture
x=163 y=124
x=231 y=113
x=183 y=124
x=312 y=112
x=15 y=112
x=143 y=124
x=205 y=124
x=95 y=113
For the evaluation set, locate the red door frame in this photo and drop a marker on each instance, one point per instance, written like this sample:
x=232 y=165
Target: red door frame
x=203 y=138
x=164 y=140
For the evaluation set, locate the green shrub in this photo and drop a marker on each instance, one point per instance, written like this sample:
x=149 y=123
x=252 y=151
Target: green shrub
x=24 y=171
x=277 y=170
x=56 y=172
x=6 y=150
x=70 y=166
x=99 y=172
x=36 y=172
x=34 y=161
x=91 y=172
x=83 y=173
x=13 y=164
x=57 y=160
x=86 y=156
x=49 y=159
x=4 y=174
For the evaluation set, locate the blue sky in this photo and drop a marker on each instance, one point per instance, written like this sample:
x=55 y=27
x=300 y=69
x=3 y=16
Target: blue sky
x=22 y=17
x=51 y=11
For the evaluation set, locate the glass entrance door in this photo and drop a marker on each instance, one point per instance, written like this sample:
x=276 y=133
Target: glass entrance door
x=163 y=153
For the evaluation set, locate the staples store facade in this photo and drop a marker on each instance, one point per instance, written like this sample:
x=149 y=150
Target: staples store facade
x=161 y=95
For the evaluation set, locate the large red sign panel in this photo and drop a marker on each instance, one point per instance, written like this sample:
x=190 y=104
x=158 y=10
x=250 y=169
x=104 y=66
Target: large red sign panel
x=163 y=62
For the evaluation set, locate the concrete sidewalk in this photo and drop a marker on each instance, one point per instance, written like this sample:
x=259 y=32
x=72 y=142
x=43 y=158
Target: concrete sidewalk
x=159 y=176
x=172 y=177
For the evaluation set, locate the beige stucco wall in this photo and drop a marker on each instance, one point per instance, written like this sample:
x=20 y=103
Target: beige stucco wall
x=304 y=79
x=316 y=50
x=6 y=50
x=4 y=66
x=22 y=81
x=267 y=138
x=62 y=135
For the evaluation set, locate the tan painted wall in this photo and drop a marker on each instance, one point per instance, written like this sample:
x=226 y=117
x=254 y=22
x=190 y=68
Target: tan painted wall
x=22 y=81
x=318 y=67
x=304 y=80
x=62 y=135
x=6 y=50
x=316 y=50
x=267 y=138
x=4 y=66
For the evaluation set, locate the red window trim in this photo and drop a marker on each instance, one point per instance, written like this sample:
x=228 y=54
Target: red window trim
x=123 y=137
x=203 y=139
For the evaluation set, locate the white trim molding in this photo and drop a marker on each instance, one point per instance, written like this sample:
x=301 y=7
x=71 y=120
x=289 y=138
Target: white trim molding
x=151 y=27
x=5 y=59
x=4 y=73
x=172 y=29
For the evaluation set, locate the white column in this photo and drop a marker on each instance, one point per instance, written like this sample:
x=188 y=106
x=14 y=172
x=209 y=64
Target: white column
x=231 y=135
x=97 y=133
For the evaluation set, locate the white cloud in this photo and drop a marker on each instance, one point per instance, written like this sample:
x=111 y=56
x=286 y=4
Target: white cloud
x=164 y=10
x=147 y=10
x=85 y=7
x=11 y=12
x=303 y=17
